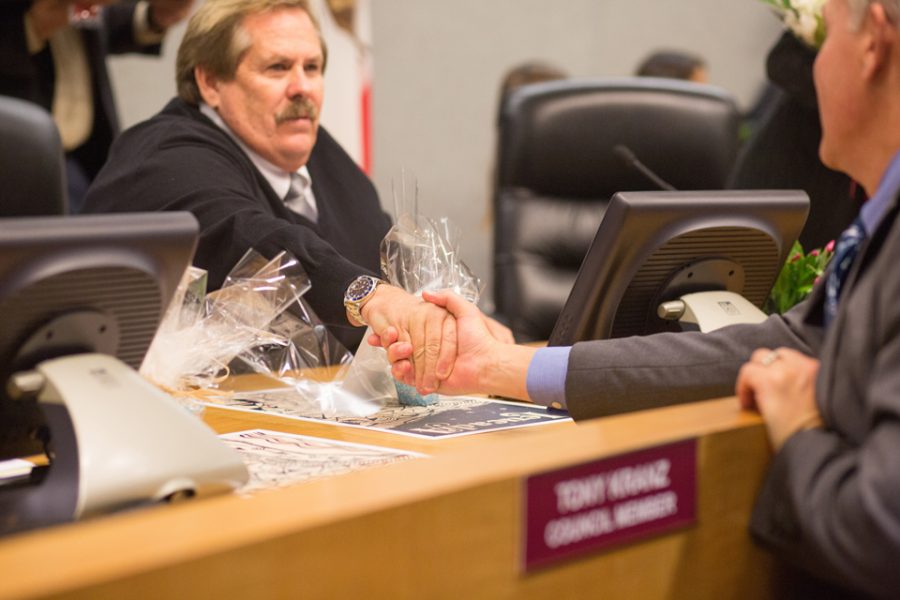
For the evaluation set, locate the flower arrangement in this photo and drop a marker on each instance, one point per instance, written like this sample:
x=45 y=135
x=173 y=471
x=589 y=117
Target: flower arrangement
x=799 y=274
x=803 y=18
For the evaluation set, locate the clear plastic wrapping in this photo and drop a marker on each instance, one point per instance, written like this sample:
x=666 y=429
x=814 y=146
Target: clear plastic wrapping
x=417 y=254
x=256 y=323
x=259 y=323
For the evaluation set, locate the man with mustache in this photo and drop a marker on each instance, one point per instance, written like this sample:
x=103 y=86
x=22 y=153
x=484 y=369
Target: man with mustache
x=242 y=149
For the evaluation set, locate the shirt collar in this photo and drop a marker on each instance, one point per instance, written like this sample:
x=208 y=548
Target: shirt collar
x=875 y=207
x=279 y=179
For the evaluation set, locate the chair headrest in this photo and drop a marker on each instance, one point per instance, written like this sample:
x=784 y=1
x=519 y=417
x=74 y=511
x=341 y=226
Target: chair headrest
x=32 y=178
x=558 y=138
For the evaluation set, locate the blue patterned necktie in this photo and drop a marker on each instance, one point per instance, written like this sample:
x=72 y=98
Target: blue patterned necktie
x=844 y=253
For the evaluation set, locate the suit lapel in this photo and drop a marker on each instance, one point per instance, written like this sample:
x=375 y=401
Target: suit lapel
x=833 y=338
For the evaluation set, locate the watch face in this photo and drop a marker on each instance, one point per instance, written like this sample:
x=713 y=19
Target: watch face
x=360 y=288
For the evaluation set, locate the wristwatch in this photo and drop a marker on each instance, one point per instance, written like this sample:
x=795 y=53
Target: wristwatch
x=358 y=293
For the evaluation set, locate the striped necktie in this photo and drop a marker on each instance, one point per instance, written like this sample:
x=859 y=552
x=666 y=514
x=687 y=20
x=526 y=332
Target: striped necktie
x=297 y=200
x=844 y=253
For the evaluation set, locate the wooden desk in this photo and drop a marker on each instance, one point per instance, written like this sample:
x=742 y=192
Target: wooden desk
x=445 y=527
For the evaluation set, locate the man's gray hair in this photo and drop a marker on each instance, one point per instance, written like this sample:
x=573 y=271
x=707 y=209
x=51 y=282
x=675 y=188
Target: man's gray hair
x=858 y=10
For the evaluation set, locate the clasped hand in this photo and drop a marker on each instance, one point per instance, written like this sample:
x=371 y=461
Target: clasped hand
x=452 y=363
x=781 y=385
x=427 y=330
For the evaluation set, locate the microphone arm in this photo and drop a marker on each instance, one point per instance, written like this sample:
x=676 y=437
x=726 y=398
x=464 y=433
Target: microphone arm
x=625 y=153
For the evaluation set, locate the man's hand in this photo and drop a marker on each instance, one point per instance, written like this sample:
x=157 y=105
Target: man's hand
x=781 y=385
x=49 y=16
x=501 y=332
x=428 y=330
x=165 y=13
x=487 y=360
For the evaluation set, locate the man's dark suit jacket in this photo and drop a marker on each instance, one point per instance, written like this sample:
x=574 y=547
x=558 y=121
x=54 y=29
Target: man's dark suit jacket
x=831 y=500
x=31 y=77
x=180 y=160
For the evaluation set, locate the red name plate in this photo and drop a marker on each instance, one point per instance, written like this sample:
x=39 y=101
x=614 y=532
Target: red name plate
x=581 y=509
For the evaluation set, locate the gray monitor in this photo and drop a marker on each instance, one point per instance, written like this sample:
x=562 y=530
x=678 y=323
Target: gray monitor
x=80 y=302
x=654 y=247
x=91 y=283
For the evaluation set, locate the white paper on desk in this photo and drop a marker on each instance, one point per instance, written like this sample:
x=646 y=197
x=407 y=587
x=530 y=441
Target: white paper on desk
x=277 y=459
x=451 y=416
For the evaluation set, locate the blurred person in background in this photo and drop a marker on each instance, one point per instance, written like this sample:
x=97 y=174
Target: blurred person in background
x=674 y=64
x=53 y=53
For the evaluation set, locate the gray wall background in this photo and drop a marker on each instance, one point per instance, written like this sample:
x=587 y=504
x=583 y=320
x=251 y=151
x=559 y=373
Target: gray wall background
x=438 y=66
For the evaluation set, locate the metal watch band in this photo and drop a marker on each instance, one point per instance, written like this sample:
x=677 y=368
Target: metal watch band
x=358 y=293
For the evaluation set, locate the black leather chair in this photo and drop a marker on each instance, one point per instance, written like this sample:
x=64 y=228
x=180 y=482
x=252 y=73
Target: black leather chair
x=32 y=168
x=557 y=166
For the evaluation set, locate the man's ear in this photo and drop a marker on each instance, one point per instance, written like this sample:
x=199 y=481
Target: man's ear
x=208 y=84
x=880 y=40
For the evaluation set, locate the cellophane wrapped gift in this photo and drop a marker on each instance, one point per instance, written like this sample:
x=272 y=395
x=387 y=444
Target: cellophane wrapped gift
x=418 y=253
x=257 y=322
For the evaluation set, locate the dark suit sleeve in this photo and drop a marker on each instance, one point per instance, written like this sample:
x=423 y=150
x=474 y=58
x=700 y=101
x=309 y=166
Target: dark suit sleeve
x=119 y=27
x=610 y=377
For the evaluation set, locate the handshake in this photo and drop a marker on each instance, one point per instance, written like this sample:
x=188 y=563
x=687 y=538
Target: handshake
x=443 y=343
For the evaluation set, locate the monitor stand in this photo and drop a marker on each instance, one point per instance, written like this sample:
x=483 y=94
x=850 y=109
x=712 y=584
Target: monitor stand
x=116 y=441
x=708 y=311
